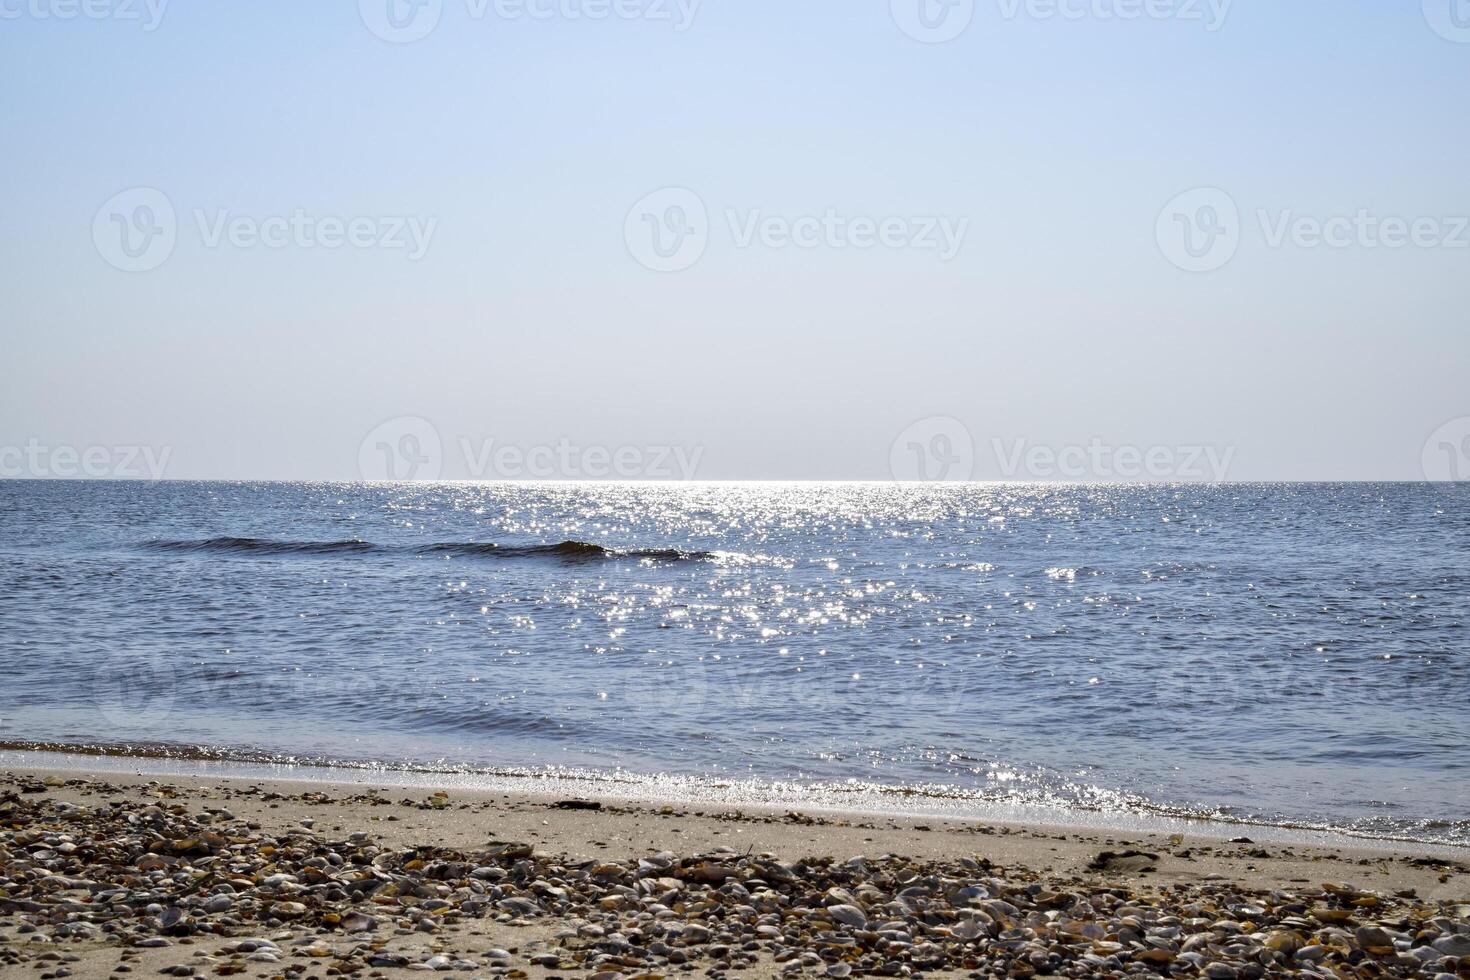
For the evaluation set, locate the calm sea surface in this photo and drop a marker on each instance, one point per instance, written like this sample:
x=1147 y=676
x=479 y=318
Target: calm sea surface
x=1290 y=653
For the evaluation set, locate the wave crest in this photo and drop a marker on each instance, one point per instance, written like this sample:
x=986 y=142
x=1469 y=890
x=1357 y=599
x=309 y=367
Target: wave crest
x=571 y=551
x=263 y=546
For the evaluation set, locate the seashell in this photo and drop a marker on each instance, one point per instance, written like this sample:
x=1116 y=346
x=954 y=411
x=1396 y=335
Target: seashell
x=708 y=873
x=358 y=922
x=1285 y=942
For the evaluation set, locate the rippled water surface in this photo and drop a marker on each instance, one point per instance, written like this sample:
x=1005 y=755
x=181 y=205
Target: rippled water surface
x=1290 y=653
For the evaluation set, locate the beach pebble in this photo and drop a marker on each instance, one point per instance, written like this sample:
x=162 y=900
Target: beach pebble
x=1373 y=937
x=1453 y=945
x=848 y=915
x=387 y=959
x=1310 y=954
x=358 y=922
x=694 y=934
x=724 y=912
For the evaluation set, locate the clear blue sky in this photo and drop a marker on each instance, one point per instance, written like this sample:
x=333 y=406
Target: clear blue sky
x=528 y=321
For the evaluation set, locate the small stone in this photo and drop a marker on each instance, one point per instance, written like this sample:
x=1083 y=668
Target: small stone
x=1455 y=944
x=387 y=959
x=358 y=922
x=1374 y=939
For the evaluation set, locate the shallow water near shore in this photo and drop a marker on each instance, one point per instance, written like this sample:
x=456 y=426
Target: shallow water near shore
x=749 y=796
x=1286 y=654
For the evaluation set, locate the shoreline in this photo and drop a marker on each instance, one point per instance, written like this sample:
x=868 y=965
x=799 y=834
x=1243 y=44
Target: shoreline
x=535 y=882
x=751 y=795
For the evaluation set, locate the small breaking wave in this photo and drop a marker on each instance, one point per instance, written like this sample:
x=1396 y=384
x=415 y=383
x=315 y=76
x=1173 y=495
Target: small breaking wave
x=565 y=550
x=1071 y=804
x=262 y=546
x=570 y=551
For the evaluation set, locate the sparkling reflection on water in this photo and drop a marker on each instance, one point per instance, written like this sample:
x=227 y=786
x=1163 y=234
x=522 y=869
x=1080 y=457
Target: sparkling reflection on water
x=1285 y=651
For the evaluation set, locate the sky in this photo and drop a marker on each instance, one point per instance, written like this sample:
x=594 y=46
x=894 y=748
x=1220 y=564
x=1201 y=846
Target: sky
x=647 y=239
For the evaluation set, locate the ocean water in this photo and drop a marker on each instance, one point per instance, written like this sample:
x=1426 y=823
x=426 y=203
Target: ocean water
x=1294 y=654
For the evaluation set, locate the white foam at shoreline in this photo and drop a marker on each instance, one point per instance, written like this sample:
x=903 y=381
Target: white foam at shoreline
x=864 y=800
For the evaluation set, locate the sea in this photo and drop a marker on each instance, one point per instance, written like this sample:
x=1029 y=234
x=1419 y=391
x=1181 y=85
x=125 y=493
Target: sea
x=1288 y=655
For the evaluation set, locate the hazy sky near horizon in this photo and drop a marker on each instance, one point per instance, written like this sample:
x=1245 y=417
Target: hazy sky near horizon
x=744 y=240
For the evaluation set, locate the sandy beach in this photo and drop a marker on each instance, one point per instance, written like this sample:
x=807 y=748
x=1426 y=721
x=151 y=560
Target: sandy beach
x=109 y=873
x=654 y=489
